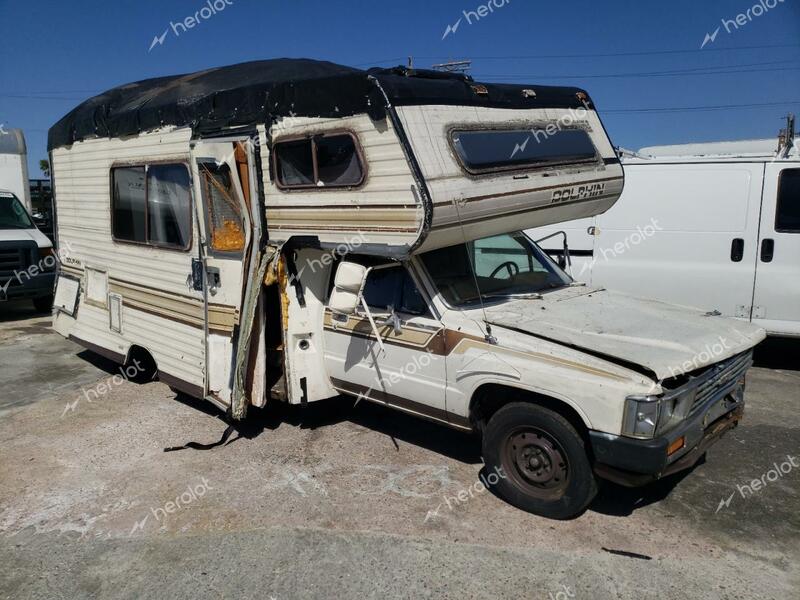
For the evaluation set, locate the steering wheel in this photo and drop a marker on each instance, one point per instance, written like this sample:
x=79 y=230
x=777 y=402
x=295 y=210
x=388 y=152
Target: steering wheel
x=510 y=266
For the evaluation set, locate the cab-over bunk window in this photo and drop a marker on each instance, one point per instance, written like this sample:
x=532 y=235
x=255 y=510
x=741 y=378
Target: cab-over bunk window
x=320 y=161
x=152 y=205
x=491 y=150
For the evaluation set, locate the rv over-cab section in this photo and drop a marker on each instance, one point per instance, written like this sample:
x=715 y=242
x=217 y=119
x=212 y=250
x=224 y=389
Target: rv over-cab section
x=399 y=159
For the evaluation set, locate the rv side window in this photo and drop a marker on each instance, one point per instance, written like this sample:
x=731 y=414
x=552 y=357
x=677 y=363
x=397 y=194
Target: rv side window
x=482 y=151
x=129 y=204
x=152 y=205
x=224 y=215
x=787 y=218
x=322 y=161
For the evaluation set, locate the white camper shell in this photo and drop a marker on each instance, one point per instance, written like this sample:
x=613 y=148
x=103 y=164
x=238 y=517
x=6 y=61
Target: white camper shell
x=713 y=225
x=320 y=230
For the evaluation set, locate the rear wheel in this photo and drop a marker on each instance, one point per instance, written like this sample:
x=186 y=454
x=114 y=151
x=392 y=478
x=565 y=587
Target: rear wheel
x=43 y=304
x=541 y=460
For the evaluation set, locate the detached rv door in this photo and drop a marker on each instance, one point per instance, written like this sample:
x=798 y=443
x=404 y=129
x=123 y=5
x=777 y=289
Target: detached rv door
x=776 y=302
x=223 y=180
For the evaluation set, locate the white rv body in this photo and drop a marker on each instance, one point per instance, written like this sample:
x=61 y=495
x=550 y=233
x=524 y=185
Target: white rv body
x=14 y=165
x=697 y=226
x=379 y=255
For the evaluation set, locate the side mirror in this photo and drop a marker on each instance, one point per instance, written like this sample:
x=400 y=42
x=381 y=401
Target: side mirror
x=347 y=288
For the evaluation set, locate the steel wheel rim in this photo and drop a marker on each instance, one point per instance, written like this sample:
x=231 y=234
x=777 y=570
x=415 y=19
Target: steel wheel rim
x=536 y=462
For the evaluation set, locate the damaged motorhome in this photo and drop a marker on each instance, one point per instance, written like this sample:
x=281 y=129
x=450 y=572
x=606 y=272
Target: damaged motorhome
x=292 y=230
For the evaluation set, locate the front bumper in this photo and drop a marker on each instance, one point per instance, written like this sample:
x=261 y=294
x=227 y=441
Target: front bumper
x=634 y=462
x=36 y=286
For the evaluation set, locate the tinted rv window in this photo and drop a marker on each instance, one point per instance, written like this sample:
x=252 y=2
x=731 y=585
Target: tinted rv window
x=168 y=206
x=337 y=161
x=481 y=151
x=152 y=205
x=295 y=163
x=129 y=210
x=321 y=161
x=787 y=218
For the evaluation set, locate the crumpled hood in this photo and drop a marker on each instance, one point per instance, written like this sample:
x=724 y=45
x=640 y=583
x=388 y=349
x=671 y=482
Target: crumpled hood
x=664 y=338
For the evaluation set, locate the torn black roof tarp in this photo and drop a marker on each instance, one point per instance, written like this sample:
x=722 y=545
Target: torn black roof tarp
x=259 y=91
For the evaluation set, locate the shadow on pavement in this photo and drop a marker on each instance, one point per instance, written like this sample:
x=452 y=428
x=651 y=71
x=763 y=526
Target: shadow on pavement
x=778 y=353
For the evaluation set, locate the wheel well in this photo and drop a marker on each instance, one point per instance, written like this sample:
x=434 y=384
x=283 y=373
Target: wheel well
x=491 y=397
x=146 y=365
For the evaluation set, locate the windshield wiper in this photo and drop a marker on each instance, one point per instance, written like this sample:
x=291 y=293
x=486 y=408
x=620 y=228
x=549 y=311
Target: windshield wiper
x=522 y=296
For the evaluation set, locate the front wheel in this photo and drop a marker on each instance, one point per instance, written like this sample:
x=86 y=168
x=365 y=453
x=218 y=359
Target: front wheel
x=541 y=460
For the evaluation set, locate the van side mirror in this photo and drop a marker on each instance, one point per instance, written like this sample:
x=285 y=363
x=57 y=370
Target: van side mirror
x=347 y=288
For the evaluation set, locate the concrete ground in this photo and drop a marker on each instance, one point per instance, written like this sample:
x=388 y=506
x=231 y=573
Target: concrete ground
x=340 y=502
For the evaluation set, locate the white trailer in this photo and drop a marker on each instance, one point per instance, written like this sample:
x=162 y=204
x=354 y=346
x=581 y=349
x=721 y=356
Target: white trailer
x=716 y=226
x=292 y=230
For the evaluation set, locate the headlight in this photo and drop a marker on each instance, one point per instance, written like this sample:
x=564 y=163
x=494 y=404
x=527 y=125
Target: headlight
x=641 y=416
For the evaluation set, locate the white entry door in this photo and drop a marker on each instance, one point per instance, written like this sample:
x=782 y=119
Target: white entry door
x=776 y=302
x=223 y=180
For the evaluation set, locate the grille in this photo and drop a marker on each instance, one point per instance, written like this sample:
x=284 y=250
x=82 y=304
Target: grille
x=718 y=378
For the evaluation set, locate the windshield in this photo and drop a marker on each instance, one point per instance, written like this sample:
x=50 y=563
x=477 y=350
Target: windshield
x=505 y=266
x=12 y=214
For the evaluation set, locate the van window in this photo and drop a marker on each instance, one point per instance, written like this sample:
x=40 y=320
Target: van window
x=787 y=218
x=12 y=214
x=152 y=205
x=394 y=286
x=494 y=150
x=321 y=161
x=224 y=214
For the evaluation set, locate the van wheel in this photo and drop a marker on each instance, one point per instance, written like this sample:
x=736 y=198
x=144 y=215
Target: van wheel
x=43 y=304
x=541 y=459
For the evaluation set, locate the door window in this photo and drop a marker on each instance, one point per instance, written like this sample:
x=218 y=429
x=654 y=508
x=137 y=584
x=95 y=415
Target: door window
x=225 y=221
x=787 y=217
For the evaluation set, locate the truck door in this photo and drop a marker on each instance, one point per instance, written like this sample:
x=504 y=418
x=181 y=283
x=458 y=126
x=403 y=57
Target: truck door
x=409 y=371
x=223 y=179
x=776 y=300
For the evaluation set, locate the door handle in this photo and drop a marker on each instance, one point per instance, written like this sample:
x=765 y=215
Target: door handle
x=737 y=249
x=767 y=250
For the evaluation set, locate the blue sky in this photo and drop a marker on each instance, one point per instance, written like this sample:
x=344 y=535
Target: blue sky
x=55 y=54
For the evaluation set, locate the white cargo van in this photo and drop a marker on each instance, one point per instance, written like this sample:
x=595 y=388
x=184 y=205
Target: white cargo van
x=27 y=260
x=715 y=226
x=292 y=230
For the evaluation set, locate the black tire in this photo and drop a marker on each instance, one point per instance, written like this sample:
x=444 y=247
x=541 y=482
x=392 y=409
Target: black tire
x=541 y=460
x=43 y=304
